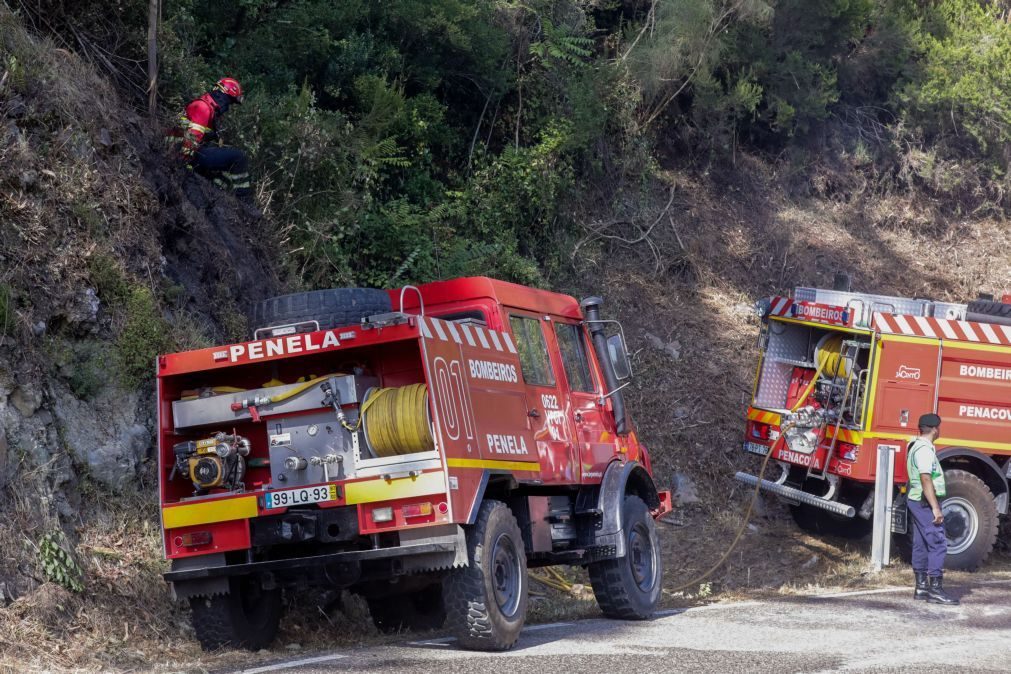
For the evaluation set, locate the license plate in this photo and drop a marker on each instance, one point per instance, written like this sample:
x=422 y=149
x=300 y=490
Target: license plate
x=756 y=448
x=291 y=497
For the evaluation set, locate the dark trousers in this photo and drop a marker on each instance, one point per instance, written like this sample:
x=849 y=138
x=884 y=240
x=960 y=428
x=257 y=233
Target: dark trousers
x=929 y=544
x=227 y=163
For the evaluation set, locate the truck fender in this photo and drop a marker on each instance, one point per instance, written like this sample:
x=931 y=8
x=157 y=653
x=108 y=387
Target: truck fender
x=983 y=467
x=619 y=480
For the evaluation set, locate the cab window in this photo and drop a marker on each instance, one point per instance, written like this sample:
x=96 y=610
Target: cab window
x=573 y=349
x=533 y=351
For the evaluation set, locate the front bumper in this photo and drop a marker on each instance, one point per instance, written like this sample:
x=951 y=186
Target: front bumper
x=249 y=568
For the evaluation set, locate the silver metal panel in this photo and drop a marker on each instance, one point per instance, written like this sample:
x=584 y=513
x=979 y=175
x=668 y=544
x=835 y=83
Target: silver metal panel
x=218 y=409
x=953 y=312
x=865 y=305
x=784 y=349
x=308 y=437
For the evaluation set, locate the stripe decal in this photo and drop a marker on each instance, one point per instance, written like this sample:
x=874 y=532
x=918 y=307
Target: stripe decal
x=370 y=491
x=432 y=328
x=480 y=336
x=224 y=510
x=466 y=334
x=509 y=342
x=943 y=328
x=495 y=465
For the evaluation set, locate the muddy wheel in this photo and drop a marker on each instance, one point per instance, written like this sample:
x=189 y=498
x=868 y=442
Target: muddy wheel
x=486 y=601
x=970 y=520
x=333 y=308
x=246 y=617
x=417 y=611
x=628 y=588
x=822 y=523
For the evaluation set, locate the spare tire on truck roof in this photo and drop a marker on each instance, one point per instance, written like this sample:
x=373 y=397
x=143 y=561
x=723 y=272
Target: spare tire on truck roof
x=333 y=308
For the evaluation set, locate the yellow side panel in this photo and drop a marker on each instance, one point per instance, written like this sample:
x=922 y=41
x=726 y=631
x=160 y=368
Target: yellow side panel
x=371 y=491
x=206 y=513
x=494 y=465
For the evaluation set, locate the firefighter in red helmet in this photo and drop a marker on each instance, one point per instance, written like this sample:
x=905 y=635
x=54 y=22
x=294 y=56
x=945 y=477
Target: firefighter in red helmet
x=226 y=166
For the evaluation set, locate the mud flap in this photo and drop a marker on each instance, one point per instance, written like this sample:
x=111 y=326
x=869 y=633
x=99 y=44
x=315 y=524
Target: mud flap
x=201 y=587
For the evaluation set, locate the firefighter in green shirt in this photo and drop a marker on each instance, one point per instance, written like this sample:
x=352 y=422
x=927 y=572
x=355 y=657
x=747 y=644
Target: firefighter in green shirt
x=926 y=488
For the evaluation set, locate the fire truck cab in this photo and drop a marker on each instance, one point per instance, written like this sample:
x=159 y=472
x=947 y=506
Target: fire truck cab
x=842 y=373
x=421 y=448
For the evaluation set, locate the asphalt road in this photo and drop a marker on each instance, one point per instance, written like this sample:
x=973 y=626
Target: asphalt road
x=871 y=631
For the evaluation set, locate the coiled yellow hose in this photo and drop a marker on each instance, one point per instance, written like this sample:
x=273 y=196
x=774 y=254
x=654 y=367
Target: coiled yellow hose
x=396 y=420
x=828 y=356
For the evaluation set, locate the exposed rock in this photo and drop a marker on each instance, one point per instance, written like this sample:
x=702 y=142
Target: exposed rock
x=684 y=490
x=105 y=435
x=26 y=399
x=672 y=348
x=39 y=329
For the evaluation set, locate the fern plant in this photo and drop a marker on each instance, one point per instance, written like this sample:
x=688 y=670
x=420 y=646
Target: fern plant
x=58 y=565
x=558 y=44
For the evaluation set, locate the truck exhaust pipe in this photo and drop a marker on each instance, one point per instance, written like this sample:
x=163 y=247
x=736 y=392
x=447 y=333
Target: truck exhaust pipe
x=796 y=495
x=591 y=312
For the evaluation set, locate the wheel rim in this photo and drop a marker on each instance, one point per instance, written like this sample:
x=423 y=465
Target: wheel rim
x=642 y=557
x=961 y=524
x=506 y=575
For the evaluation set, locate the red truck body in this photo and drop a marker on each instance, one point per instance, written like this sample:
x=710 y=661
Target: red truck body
x=517 y=409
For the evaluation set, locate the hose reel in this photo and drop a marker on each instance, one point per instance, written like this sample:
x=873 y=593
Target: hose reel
x=396 y=420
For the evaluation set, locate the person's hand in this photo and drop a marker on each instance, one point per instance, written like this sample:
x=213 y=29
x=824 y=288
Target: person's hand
x=938 y=515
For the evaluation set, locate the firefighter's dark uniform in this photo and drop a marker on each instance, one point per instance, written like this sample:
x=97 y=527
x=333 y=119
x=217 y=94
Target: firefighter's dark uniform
x=226 y=166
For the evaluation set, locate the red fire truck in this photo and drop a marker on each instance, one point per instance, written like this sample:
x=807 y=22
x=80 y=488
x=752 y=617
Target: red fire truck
x=843 y=373
x=422 y=457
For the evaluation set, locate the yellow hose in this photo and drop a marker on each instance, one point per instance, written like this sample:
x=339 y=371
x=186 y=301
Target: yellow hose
x=291 y=393
x=396 y=420
x=823 y=361
x=828 y=355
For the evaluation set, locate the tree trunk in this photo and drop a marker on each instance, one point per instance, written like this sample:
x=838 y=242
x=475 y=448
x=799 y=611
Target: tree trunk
x=154 y=10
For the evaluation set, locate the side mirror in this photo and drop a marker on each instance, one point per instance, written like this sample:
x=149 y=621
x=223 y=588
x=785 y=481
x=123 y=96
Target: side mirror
x=619 y=357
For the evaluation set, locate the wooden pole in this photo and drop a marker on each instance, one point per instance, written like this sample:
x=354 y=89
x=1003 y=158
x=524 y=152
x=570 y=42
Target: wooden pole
x=154 y=10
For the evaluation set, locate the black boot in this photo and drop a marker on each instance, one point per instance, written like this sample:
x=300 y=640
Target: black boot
x=936 y=593
x=921 y=585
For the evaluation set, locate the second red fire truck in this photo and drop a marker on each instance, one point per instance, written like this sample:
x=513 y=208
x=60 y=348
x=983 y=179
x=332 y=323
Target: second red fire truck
x=843 y=373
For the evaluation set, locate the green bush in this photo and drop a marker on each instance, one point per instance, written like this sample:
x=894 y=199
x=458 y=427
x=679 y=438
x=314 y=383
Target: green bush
x=57 y=564
x=144 y=335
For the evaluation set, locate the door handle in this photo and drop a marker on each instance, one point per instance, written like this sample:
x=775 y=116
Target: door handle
x=533 y=413
x=579 y=417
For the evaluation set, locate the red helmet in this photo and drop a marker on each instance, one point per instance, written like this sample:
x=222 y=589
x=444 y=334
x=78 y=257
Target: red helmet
x=231 y=87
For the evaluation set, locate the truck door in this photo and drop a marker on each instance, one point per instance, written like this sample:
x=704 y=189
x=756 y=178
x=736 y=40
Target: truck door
x=593 y=440
x=904 y=383
x=546 y=415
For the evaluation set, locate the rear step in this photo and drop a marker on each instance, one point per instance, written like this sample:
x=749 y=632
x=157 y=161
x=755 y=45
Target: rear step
x=797 y=495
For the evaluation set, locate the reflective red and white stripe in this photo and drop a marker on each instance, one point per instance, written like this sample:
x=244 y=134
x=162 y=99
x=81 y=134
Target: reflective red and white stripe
x=462 y=333
x=943 y=328
x=781 y=306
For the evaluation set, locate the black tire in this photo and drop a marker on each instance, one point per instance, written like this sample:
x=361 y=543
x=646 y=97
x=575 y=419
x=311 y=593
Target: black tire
x=246 y=617
x=486 y=601
x=989 y=308
x=970 y=520
x=333 y=308
x=628 y=588
x=417 y=611
x=821 y=523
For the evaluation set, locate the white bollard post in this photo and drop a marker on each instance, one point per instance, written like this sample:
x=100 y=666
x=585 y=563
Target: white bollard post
x=884 y=489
